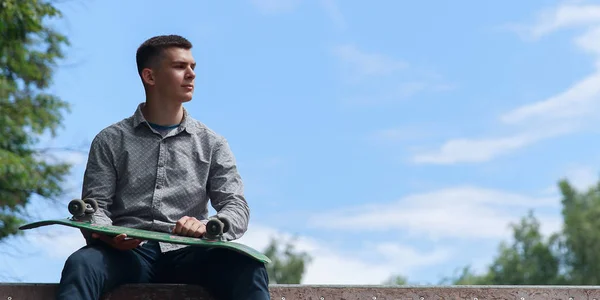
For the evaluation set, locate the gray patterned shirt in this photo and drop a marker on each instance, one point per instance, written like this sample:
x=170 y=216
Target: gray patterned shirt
x=142 y=179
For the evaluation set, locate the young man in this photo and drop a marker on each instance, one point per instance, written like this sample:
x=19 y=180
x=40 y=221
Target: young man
x=157 y=170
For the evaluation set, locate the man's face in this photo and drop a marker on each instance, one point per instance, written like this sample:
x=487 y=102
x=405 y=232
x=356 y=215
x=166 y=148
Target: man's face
x=174 y=75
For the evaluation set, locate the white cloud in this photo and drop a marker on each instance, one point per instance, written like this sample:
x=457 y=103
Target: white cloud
x=367 y=264
x=573 y=109
x=582 y=177
x=57 y=243
x=563 y=16
x=454 y=213
x=589 y=41
x=485 y=149
x=332 y=268
x=581 y=99
x=75 y=158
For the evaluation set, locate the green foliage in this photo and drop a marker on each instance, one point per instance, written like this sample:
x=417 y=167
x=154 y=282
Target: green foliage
x=29 y=51
x=581 y=234
x=396 y=280
x=529 y=260
x=287 y=265
x=465 y=277
x=568 y=257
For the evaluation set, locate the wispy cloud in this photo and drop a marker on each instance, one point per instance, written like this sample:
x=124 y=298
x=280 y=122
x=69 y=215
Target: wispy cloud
x=484 y=149
x=395 y=92
x=275 y=6
x=401 y=134
x=374 y=78
x=364 y=64
x=582 y=177
x=334 y=13
x=56 y=242
x=366 y=263
x=562 y=16
x=579 y=100
x=464 y=212
x=574 y=109
x=73 y=157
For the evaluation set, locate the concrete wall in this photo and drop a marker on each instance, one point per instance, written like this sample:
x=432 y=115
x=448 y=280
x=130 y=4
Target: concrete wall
x=305 y=292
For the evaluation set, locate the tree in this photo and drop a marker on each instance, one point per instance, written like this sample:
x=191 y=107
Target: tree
x=287 y=265
x=465 y=276
x=581 y=234
x=29 y=51
x=396 y=280
x=567 y=257
x=529 y=260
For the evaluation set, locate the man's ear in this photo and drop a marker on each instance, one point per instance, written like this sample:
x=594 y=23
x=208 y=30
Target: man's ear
x=148 y=76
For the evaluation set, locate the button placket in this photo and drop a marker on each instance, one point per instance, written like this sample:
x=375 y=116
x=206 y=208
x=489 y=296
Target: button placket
x=160 y=174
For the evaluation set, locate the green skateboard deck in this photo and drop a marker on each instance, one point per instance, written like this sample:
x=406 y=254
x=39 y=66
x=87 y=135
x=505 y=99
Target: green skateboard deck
x=213 y=241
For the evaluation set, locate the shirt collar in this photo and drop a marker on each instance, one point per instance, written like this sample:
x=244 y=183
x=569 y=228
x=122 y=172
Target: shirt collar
x=186 y=123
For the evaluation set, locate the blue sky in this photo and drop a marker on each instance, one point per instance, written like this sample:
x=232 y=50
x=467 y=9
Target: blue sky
x=387 y=138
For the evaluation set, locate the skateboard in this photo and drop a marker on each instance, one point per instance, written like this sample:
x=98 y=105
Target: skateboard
x=82 y=211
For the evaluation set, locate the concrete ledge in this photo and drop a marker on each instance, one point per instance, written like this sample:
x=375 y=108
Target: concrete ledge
x=12 y=291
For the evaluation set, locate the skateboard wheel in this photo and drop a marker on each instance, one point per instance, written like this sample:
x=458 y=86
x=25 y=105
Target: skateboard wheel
x=214 y=227
x=226 y=224
x=77 y=207
x=91 y=206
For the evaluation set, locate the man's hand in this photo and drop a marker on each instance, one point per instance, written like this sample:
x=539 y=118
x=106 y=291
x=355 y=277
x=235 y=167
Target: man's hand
x=189 y=226
x=120 y=241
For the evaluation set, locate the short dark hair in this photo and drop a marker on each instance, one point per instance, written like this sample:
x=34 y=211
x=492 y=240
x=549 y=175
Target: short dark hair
x=152 y=48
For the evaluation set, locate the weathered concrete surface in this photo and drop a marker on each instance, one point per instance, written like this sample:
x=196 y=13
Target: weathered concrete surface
x=311 y=292
x=434 y=292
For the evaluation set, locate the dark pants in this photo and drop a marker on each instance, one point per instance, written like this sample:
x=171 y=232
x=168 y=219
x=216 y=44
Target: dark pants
x=94 y=270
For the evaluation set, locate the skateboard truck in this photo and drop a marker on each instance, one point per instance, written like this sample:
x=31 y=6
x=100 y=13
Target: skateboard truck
x=215 y=228
x=82 y=208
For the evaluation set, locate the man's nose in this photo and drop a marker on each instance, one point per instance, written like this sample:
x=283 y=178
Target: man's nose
x=191 y=74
